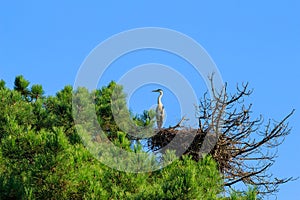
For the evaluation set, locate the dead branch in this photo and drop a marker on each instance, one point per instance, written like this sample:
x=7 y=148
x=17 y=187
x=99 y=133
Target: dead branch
x=244 y=148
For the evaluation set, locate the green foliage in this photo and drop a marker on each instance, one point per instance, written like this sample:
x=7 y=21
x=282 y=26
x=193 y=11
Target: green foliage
x=107 y=100
x=36 y=91
x=2 y=84
x=13 y=109
x=21 y=85
x=248 y=195
x=59 y=113
x=146 y=119
x=144 y=124
x=187 y=179
x=42 y=155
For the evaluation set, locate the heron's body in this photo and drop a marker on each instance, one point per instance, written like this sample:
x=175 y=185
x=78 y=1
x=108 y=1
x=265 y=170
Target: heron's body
x=160 y=111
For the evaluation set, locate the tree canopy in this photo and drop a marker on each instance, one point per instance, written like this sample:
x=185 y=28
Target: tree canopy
x=42 y=155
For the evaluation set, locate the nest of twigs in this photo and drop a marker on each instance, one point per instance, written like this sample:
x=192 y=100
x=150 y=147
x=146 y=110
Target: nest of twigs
x=184 y=141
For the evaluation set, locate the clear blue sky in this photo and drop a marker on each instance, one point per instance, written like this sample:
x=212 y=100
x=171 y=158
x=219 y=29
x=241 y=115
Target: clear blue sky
x=255 y=41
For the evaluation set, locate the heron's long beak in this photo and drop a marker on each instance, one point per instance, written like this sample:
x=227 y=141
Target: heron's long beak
x=154 y=90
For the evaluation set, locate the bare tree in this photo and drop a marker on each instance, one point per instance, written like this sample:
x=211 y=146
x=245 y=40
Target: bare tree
x=244 y=148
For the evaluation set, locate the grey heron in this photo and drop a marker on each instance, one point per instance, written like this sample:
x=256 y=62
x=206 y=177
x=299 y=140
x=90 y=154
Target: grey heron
x=160 y=111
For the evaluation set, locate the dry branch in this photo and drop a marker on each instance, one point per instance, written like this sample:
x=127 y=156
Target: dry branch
x=243 y=147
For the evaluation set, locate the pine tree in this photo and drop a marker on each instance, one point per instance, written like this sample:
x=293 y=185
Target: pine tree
x=40 y=157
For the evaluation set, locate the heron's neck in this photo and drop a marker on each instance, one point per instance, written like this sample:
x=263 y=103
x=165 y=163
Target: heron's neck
x=159 y=98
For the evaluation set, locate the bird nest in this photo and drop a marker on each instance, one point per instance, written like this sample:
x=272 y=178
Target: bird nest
x=184 y=141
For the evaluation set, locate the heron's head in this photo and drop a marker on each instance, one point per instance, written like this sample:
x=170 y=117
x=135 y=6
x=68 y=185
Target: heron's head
x=158 y=90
